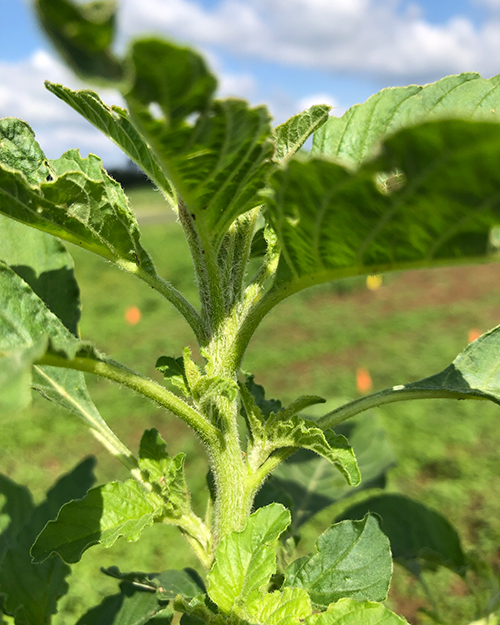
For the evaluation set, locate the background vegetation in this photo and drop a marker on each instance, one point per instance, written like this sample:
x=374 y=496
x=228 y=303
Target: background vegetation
x=414 y=324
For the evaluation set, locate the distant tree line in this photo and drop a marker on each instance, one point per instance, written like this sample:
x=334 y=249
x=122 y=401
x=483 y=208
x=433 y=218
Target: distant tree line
x=129 y=175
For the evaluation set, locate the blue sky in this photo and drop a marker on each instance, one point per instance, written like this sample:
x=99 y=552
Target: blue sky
x=286 y=53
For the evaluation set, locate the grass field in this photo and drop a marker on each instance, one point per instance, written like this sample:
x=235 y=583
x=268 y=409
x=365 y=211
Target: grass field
x=414 y=325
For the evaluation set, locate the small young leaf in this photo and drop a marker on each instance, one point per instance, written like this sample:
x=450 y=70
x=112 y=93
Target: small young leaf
x=245 y=561
x=101 y=517
x=313 y=483
x=116 y=124
x=353 y=137
x=287 y=607
x=266 y=406
x=84 y=34
x=132 y=606
x=173 y=371
x=350 y=612
x=292 y=135
x=419 y=537
x=166 y=474
x=353 y=560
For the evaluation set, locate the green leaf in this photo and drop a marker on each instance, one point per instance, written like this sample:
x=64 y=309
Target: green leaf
x=116 y=124
x=332 y=223
x=266 y=406
x=32 y=590
x=82 y=205
x=353 y=560
x=245 y=561
x=292 y=135
x=84 y=34
x=419 y=537
x=349 y=612
x=287 y=607
x=311 y=483
x=299 y=433
x=353 y=137
x=132 y=606
x=174 y=371
x=19 y=150
x=106 y=513
x=220 y=162
x=164 y=473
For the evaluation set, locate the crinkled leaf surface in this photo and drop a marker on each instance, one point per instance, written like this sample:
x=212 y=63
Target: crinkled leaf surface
x=419 y=536
x=350 y=612
x=333 y=223
x=101 y=517
x=19 y=150
x=132 y=606
x=84 y=34
x=286 y=607
x=292 y=135
x=309 y=484
x=303 y=434
x=166 y=474
x=116 y=124
x=353 y=137
x=220 y=158
x=353 y=560
x=32 y=590
x=245 y=561
x=82 y=205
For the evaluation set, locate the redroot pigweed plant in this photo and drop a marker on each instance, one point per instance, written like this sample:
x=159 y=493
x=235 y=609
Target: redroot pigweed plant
x=411 y=178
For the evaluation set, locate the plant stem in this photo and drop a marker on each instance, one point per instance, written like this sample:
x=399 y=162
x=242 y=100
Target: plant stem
x=387 y=396
x=117 y=372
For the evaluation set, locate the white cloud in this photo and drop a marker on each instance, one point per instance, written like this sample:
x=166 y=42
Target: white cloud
x=364 y=37
x=57 y=127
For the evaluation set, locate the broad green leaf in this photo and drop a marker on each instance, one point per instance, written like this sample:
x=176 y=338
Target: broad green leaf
x=32 y=590
x=116 y=124
x=353 y=560
x=332 y=223
x=287 y=607
x=168 y=584
x=132 y=606
x=166 y=474
x=353 y=137
x=349 y=612
x=311 y=483
x=420 y=537
x=105 y=514
x=82 y=205
x=245 y=561
x=218 y=162
x=292 y=135
x=84 y=34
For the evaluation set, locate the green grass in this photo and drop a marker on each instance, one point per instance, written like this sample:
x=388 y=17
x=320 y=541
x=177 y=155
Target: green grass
x=413 y=326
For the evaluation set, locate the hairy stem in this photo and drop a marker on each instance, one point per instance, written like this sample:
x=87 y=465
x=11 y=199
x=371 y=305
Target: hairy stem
x=387 y=396
x=117 y=372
